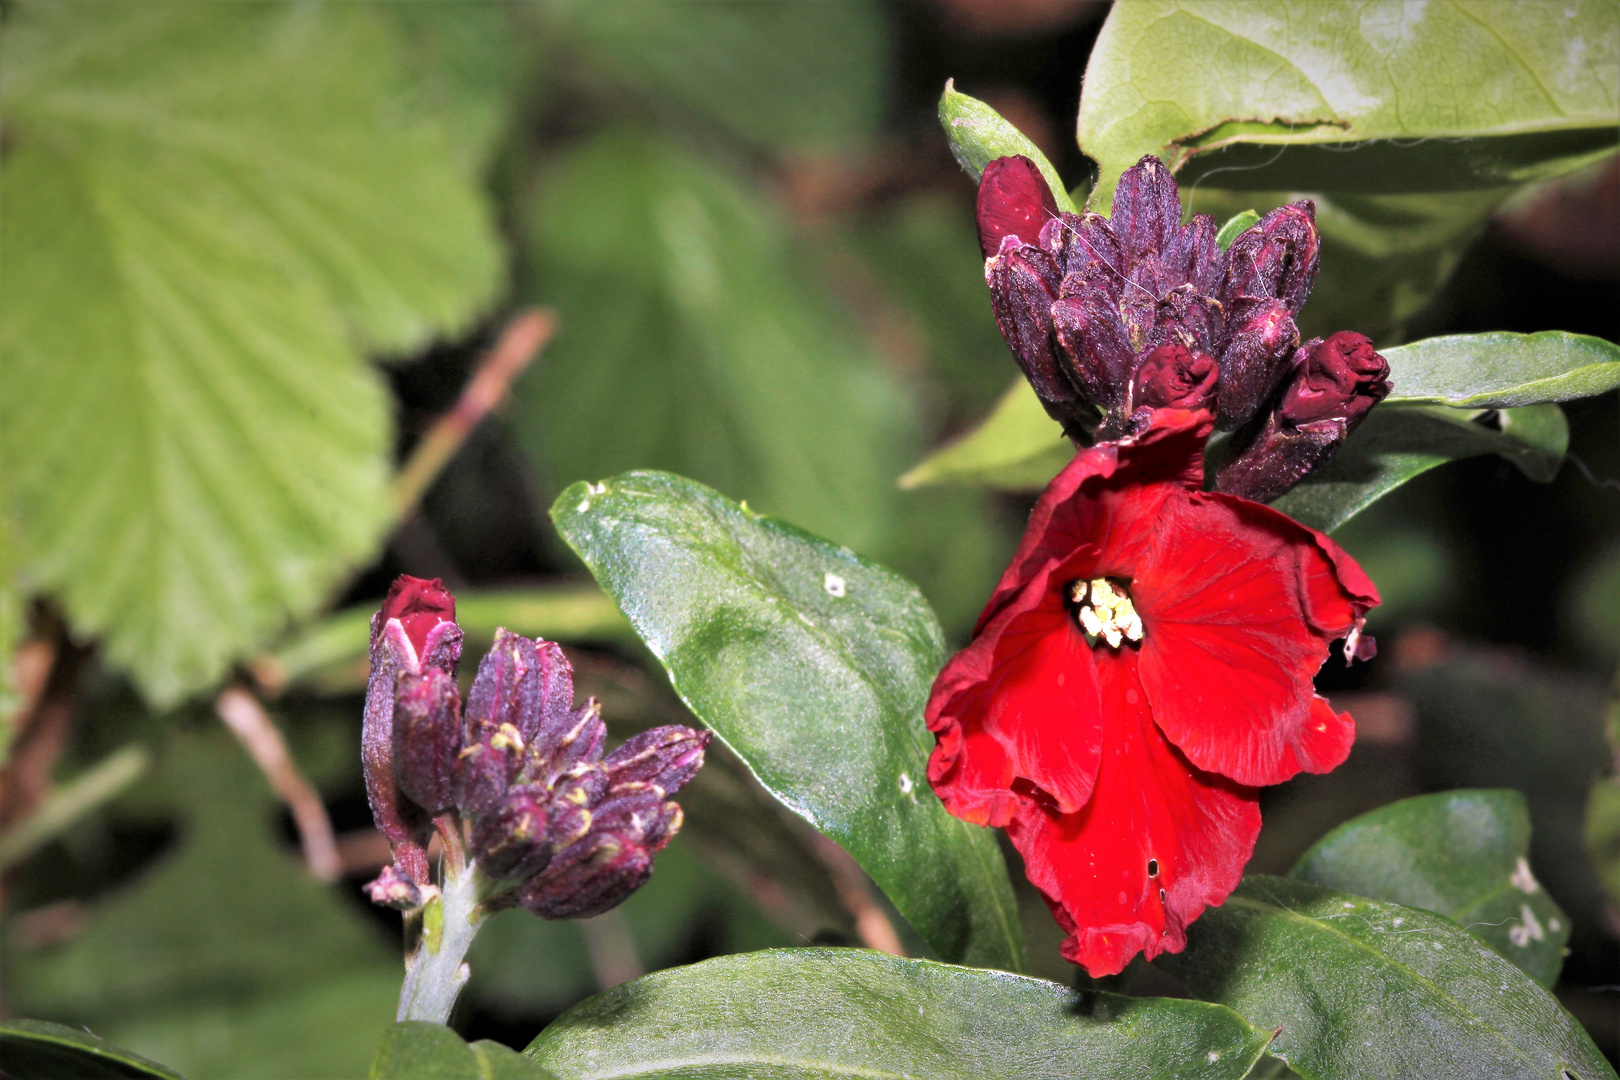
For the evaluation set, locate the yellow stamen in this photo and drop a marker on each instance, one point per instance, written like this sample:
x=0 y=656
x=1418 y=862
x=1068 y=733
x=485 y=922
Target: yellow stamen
x=1106 y=611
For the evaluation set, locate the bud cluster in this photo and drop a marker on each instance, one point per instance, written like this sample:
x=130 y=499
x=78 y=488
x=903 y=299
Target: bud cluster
x=1112 y=317
x=518 y=779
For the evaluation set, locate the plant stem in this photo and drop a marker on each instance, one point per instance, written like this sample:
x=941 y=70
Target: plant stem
x=434 y=972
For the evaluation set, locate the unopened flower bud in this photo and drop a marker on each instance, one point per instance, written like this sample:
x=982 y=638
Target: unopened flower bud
x=587 y=879
x=512 y=841
x=1014 y=200
x=414 y=632
x=484 y=770
x=1175 y=377
x=427 y=737
x=665 y=756
x=1256 y=356
x=1023 y=282
x=396 y=888
x=1276 y=258
x=1334 y=385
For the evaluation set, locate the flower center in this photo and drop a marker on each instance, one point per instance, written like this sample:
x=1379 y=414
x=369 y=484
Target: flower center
x=1105 y=611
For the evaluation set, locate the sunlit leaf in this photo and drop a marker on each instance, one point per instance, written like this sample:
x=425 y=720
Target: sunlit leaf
x=1358 y=988
x=211 y=209
x=1462 y=854
x=419 y=1050
x=1018 y=447
x=1236 y=225
x=1498 y=370
x=1381 y=97
x=978 y=135
x=813 y=666
x=821 y=1013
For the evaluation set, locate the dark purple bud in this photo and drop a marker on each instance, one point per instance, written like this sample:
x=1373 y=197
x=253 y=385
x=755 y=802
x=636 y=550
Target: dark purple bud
x=664 y=756
x=396 y=888
x=1147 y=210
x=1093 y=338
x=507 y=690
x=415 y=631
x=587 y=879
x=1023 y=282
x=1276 y=258
x=1175 y=377
x=1014 y=200
x=512 y=842
x=427 y=737
x=1255 y=356
x=484 y=770
x=574 y=799
x=573 y=737
x=1334 y=385
x=1341 y=379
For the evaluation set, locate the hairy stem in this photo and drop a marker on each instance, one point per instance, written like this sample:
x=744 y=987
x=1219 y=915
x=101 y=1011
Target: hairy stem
x=435 y=971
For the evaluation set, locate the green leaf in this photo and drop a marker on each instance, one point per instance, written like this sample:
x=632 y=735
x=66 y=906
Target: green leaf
x=418 y=1050
x=1441 y=96
x=1360 y=988
x=39 y=1050
x=804 y=1013
x=211 y=209
x=1501 y=370
x=813 y=665
x=1237 y=224
x=785 y=75
x=978 y=135
x=1461 y=854
x=696 y=342
x=1018 y=447
x=224 y=956
x=1396 y=443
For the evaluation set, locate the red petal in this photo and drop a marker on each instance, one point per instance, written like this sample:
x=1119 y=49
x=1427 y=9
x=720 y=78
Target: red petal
x=1020 y=703
x=1238 y=604
x=1014 y=200
x=1149 y=804
x=1114 y=516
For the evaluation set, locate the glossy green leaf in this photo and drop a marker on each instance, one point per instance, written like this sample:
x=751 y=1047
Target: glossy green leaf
x=1018 y=447
x=813 y=666
x=1396 y=443
x=784 y=75
x=1379 y=97
x=1235 y=226
x=39 y=1050
x=822 y=1013
x=418 y=1050
x=1462 y=854
x=1501 y=370
x=212 y=211
x=1360 y=988
x=978 y=135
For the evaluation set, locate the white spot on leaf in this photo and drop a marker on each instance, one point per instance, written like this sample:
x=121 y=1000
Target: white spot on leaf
x=834 y=585
x=1529 y=928
x=1523 y=879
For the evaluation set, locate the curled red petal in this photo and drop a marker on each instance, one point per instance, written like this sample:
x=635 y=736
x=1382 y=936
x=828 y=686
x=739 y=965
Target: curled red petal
x=1239 y=604
x=1153 y=822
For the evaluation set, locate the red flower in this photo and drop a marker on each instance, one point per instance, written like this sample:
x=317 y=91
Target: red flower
x=1143 y=666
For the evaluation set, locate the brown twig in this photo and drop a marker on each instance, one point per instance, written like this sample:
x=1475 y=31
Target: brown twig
x=491 y=381
x=258 y=734
x=872 y=926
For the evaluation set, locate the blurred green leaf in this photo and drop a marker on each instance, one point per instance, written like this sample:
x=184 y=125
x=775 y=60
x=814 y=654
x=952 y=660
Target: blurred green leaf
x=1235 y=226
x=1501 y=370
x=1396 y=443
x=210 y=210
x=1018 y=447
x=1594 y=601
x=39 y=1050
x=813 y=666
x=795 y=1013
x=784 y=75
x=224 y=957
x=12 y=626
x=418 y=1050
x=335 y=652
x=1359 y=988
x=1461 y=854
x=691 y=340
x=978 y=135
x=1430 y=97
